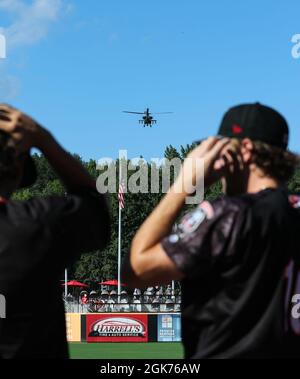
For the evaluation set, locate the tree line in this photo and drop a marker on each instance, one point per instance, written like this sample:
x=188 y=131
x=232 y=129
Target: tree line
x=97 y=266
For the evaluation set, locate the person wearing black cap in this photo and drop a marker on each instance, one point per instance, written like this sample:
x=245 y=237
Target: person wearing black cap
x=40 y=237
x=237 y=256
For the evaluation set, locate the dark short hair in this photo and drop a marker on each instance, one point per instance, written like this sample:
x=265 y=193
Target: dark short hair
x=8 y=157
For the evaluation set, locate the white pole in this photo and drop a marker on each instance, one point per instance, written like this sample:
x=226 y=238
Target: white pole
x=173 y=287
x=66 y=275
x=120 y=236
x=119 y=256
x=66 y=285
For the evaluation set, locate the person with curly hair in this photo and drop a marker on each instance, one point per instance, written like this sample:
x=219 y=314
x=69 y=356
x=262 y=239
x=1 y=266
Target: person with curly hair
x=237 y=256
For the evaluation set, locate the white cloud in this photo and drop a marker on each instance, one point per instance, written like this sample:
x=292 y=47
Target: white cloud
x=31 y=20
x=12 y=5
x=30 y=23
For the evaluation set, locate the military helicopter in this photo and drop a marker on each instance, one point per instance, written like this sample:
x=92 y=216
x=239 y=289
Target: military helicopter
x=147 y=120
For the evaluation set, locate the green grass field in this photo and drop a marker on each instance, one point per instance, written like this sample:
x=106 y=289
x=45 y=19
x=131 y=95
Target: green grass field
x=162 y=350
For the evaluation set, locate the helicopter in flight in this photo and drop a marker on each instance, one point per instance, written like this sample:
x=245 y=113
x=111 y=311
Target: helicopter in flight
x=147 y=119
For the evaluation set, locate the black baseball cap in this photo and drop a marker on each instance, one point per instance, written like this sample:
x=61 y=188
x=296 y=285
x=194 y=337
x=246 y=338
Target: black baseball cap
x=257 y=122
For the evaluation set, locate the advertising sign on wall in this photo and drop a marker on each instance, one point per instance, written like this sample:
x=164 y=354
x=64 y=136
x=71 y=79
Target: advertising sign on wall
x=169 y=328
x=73 y=327
x=117 y=328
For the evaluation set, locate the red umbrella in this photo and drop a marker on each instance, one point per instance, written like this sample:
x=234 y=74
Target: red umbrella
x=74 y=283
x=112 y=283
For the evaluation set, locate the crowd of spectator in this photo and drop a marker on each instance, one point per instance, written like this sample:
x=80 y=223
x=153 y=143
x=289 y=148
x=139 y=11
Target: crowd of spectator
x=152 y=299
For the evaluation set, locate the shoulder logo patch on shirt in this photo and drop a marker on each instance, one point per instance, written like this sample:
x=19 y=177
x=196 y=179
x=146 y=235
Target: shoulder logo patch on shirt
x=191 y=221
x=294 y=201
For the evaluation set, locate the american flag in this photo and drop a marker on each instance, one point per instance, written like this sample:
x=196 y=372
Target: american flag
x=121 y=195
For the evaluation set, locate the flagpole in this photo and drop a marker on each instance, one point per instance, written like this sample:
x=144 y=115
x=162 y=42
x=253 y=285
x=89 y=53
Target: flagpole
x=119 y=254
x=66 y=275
x=66 y=281
x=120 y=236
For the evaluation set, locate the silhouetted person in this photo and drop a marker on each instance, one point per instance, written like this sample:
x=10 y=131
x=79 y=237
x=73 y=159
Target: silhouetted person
x=40 y=237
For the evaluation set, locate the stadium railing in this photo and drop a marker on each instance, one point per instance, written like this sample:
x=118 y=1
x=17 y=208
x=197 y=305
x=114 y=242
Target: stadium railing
x=98 y=307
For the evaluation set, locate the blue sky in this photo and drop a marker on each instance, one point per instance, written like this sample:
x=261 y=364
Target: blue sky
x=75 y=65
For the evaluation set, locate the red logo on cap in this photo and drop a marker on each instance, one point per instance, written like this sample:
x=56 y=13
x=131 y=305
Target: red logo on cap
x=236 y=129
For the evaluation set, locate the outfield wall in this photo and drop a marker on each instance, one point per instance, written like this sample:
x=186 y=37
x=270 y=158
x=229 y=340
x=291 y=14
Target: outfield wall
x=123 y=327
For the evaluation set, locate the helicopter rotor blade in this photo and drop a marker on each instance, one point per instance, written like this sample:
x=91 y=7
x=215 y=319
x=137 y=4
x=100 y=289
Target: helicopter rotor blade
x=163 y=113
x=133 y=112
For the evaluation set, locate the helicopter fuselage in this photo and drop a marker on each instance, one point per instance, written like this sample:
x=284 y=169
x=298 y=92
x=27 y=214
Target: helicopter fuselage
x=148 y=119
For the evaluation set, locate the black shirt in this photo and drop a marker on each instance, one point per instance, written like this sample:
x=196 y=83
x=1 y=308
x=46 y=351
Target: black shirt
x=240 y=259
x=38 y=239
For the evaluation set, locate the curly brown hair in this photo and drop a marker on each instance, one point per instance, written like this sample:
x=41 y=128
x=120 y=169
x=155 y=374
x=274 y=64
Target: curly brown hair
x=274 y=161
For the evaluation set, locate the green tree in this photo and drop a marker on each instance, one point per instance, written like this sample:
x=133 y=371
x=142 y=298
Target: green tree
x=94 y=267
